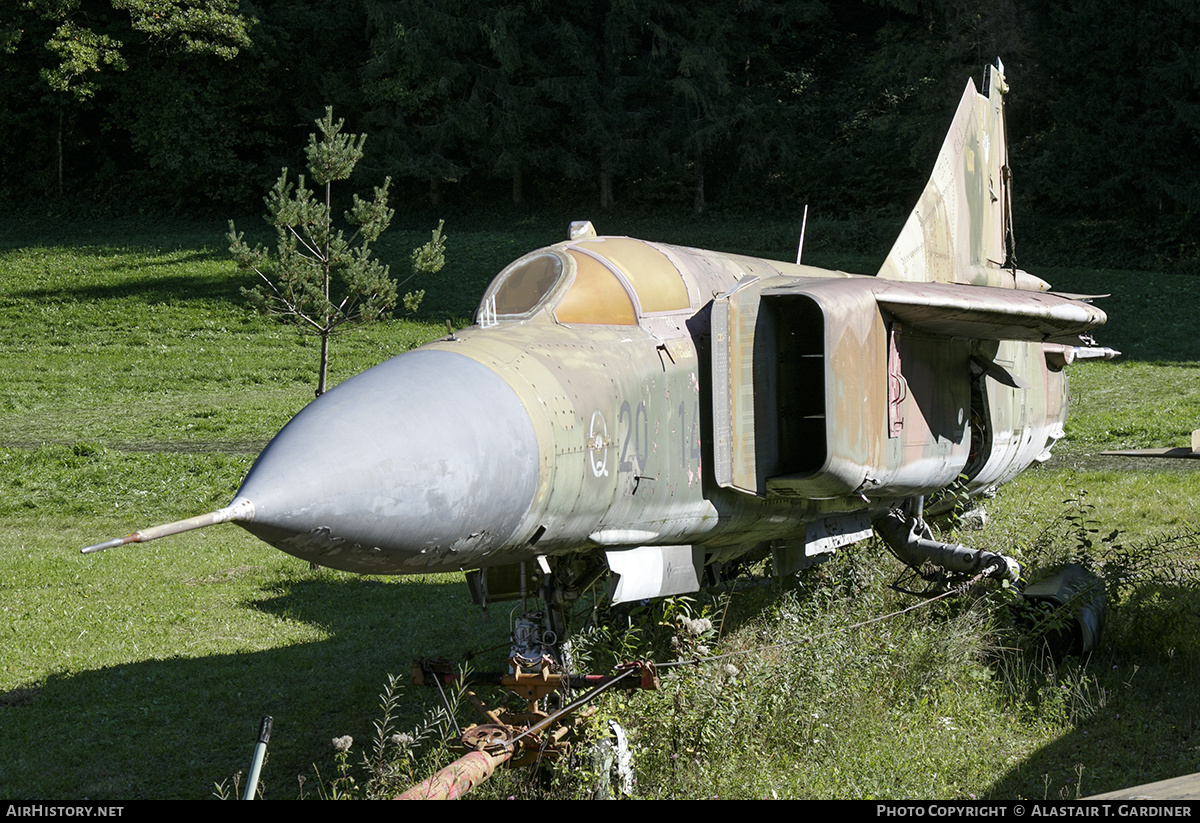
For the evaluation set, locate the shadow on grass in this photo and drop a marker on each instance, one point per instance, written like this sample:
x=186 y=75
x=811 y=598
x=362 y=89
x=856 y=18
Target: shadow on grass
x=151 y=290
x=173 y=728
x=1135 y=711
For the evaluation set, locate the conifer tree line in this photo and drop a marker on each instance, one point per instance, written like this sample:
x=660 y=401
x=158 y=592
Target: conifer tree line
x=194 y=105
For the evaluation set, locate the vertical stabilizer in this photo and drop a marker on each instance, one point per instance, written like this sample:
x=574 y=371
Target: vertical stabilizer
x=957 y=232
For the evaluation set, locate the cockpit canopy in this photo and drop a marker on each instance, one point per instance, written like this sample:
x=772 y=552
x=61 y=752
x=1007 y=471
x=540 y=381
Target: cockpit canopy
x=599 y=281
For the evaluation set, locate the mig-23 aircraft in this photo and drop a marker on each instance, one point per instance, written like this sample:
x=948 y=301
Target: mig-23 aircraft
x=656 y=412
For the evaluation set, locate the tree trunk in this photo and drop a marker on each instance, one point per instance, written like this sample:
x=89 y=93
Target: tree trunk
x=698 y=203
x=518 y=185
x=606 y=183
x=60 y=152
x=324 y=368
x=326 y=310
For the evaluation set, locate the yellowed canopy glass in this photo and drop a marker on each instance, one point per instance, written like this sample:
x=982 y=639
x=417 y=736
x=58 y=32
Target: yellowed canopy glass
x=658 y=284
x=596 y=297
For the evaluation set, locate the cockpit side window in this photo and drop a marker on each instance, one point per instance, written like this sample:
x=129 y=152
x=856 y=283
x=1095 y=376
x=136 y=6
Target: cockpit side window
x=596 y=297
x=519 y=290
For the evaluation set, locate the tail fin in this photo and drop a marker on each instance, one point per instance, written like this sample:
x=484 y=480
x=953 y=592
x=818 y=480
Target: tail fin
x=959 y=230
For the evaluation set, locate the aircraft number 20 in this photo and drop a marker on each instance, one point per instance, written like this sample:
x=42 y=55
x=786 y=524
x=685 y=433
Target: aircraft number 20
x=635 y=443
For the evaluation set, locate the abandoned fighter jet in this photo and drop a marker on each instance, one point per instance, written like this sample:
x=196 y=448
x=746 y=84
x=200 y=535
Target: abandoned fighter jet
x=656 y=411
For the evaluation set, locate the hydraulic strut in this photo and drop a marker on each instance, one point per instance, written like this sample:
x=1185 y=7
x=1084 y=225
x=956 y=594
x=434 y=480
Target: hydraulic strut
x=910 y=538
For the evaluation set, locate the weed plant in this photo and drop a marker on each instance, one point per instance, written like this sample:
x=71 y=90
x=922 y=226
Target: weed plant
x=392 y=760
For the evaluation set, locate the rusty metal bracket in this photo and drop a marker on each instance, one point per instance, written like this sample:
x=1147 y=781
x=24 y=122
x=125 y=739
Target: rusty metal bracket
x=517 y=738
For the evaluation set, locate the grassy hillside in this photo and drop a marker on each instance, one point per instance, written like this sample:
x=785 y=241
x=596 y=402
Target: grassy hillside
x=139 y=387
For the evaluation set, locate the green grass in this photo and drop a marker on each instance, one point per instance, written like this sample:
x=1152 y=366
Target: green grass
x=138 y=388
x=143 y=673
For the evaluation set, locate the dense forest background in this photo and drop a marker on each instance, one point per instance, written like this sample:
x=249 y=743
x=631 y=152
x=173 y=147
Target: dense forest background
x=719 y=106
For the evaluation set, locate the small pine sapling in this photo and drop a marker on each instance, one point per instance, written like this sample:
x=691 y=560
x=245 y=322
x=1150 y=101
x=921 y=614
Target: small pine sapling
x=320 y=278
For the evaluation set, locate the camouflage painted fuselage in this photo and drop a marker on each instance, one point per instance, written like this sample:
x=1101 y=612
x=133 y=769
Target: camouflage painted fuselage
x=655 y=409
x=599 y=405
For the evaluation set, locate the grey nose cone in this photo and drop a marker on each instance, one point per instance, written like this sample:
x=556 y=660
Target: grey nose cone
x=424 y=463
